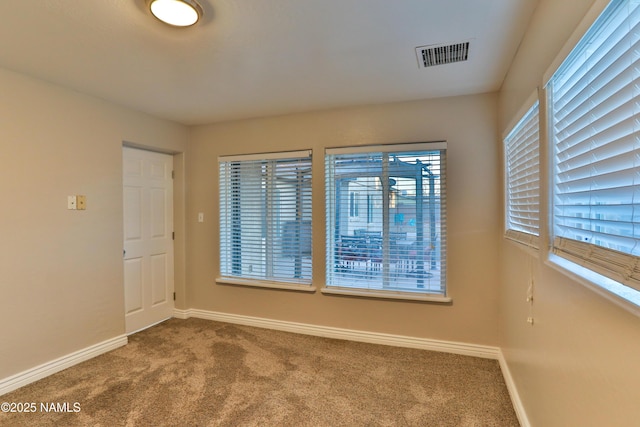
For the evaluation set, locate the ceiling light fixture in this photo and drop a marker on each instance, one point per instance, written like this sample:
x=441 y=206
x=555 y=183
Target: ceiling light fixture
x=179 y=13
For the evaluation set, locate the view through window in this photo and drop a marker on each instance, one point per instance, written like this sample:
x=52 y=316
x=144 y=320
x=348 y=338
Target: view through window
x=386 y=218
x=265 y=217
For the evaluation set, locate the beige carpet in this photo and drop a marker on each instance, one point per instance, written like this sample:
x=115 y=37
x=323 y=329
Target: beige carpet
x=203 y=373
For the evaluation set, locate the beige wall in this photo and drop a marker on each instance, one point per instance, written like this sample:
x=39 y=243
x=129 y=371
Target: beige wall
x=61 y=271
x=578 y=364
x=467 y=123
x=61 y=279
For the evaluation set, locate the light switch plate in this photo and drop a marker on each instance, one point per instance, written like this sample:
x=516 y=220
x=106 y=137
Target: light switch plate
x=81 y=202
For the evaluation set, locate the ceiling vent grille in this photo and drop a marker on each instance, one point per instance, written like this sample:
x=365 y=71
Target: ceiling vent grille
x=429 y=56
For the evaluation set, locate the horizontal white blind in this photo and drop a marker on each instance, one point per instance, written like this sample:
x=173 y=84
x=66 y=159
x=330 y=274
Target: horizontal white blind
x=265 y=218
x=385 y=215
x=595 y=112
x=522 y=150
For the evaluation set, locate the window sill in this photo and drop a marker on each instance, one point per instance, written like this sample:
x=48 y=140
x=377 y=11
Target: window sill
x=265 y=284
x=386 y=295
x=613 y=291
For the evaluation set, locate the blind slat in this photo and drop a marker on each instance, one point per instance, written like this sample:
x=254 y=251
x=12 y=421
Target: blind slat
x=623 y=268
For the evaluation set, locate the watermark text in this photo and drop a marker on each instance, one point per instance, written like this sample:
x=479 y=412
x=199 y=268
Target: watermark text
x=46 y=407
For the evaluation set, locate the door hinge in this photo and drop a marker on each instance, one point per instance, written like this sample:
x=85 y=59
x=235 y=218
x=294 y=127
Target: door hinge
x=173 y=174
x=173 y=235
x=174 y=296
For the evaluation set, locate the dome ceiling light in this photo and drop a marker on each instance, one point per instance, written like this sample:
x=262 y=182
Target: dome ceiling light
x=178 y=13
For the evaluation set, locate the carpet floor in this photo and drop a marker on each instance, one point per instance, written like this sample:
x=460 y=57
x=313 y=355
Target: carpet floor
x=203 y=373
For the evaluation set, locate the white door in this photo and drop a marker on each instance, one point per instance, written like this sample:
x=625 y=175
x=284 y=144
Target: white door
x=148 y=238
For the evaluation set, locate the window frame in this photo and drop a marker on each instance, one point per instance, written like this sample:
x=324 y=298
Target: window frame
x=329 y=244
x=531 y=110
x=584 y=261
x=272 y=158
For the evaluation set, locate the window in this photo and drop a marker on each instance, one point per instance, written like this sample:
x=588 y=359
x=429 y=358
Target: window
x=353 y=204
x=400 y=244
x=265 y=217
x=523 y=180
x=595 y=113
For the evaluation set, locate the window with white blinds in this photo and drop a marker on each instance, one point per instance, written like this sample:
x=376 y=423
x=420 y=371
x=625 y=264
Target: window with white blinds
x=595 y=113
x=522 y=168
x=265 y=217
x=385 y=214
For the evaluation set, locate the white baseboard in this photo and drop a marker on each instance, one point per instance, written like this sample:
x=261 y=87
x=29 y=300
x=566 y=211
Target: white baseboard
x=181 y=314
x=466 y=349
x=34 y=374
x=513 y=392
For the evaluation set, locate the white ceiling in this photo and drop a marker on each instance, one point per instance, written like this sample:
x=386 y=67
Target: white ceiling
x=251 y=58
